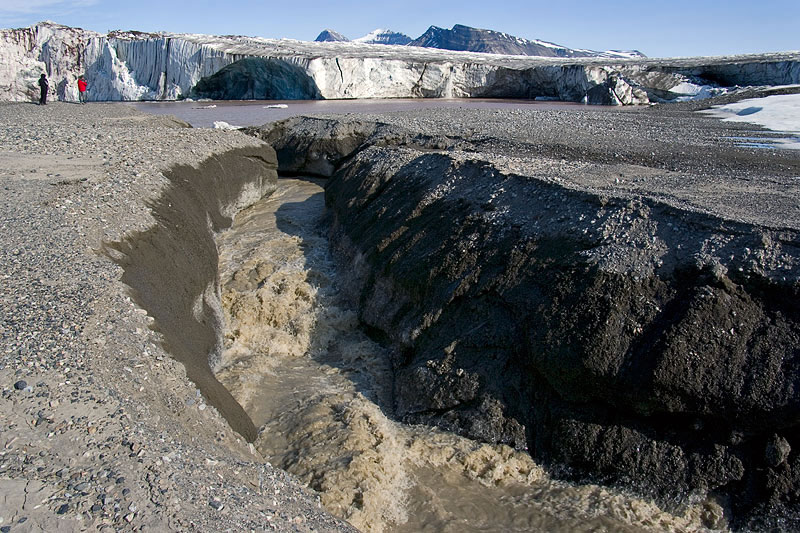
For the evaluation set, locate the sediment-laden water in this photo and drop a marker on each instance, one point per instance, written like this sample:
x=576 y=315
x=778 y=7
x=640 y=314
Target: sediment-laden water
x=319 y=390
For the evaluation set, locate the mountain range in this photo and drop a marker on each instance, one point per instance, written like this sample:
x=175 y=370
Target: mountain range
x=467 y=39
x=379 y=36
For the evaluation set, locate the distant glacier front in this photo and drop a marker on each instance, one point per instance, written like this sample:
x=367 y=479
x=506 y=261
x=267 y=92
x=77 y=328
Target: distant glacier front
x=134 y=66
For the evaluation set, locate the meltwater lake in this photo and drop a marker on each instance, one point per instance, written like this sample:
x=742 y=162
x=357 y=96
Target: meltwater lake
x=258 y=112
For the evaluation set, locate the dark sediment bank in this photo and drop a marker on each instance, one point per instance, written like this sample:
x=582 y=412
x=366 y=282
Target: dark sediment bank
x=616 y=293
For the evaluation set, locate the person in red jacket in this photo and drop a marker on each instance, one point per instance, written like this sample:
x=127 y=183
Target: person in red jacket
x=82 y=89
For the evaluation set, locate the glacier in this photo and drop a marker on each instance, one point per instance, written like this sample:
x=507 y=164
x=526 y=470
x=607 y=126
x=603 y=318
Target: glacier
x=130 y=66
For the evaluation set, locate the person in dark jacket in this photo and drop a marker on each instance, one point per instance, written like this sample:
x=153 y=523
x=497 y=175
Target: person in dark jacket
x=43 y=85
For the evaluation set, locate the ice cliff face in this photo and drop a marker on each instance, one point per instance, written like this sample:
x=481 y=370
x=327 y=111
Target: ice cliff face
x=26 y=53
x=139 y=66
x=117 y=66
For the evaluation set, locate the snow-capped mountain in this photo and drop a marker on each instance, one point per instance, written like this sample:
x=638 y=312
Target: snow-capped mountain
x=464 y=38
x=381 y=36
x=467 y=39
x=331 y=36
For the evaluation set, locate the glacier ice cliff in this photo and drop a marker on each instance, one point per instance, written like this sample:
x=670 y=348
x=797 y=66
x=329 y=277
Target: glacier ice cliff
x=143 y=66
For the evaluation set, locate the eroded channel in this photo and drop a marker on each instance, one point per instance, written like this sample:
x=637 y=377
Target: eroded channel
x=319 y=391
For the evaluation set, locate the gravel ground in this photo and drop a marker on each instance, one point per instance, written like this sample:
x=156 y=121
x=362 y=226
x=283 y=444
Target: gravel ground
x=668 y=152
x=101 y=428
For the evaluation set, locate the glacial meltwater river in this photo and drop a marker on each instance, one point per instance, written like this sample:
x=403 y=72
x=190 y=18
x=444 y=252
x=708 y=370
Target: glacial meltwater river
x=319 y=388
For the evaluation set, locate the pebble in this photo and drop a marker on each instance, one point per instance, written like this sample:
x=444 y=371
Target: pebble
x=21 y=385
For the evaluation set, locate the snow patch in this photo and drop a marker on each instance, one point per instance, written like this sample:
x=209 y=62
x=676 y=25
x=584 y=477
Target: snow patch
x=371 y=36
x=779 y=113
x=383 y=36
x=221 y=125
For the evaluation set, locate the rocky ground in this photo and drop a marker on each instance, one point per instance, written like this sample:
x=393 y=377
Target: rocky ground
x=666 y=152
x=101 y=429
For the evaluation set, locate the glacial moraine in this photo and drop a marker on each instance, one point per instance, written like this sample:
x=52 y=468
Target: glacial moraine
x=614 y=292
x=121 y=437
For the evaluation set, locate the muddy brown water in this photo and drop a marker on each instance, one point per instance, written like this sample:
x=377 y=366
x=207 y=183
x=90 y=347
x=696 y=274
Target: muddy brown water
x=318 y=389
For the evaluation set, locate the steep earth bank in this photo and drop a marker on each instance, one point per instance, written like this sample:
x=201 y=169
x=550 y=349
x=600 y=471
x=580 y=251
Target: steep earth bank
x=103 y=428
x=165 y=66
x=614 y=291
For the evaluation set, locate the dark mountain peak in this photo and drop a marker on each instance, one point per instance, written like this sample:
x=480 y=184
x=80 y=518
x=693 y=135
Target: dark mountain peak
x=329 y=35
x=468 y=39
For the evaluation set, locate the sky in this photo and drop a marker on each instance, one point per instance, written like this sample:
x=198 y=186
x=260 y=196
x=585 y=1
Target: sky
x=678 y=28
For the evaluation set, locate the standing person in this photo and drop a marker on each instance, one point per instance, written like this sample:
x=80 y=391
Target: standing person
x=82 y=89
x=44 y=86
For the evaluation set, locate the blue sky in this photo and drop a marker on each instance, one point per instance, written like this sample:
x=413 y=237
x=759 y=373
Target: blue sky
x=680 y=28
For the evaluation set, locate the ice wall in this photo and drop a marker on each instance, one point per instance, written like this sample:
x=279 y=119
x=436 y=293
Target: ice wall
x=117 y=66
x=141 y=66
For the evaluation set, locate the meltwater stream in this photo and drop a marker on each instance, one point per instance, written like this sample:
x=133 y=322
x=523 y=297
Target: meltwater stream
x=319 y=390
